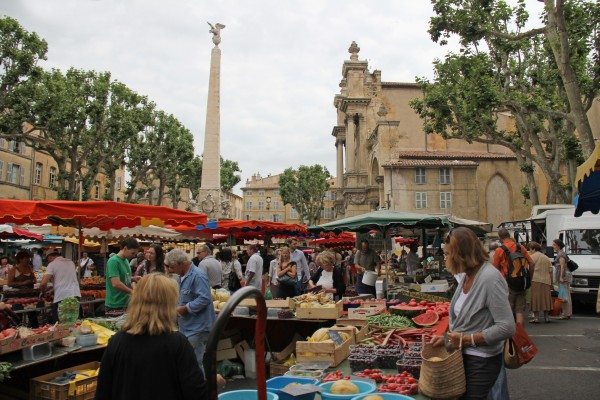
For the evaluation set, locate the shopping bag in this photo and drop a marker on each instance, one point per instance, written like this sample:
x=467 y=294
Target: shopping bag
x=526 y=349
x=556 y=307
x=511 y=358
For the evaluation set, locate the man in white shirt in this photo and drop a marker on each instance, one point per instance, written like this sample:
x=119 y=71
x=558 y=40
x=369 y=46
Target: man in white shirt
x=254 y=267
x=63 y=274
x=211 y=266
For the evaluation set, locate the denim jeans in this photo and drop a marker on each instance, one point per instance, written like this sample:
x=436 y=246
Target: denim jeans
x=481 y=374
x=198 y=342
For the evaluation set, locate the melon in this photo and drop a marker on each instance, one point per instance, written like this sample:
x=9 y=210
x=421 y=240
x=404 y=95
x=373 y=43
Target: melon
x=428 y=318
x=407 y=311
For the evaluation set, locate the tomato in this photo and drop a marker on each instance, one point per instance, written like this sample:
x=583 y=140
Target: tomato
x=411 y=380
x=414 y=388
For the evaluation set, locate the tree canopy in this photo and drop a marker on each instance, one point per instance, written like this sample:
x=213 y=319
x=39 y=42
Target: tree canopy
x=91 y=124
x=304 y=189
x=545 y=78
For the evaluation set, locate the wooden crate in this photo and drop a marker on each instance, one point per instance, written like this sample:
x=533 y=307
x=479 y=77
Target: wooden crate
x=323 y=351
x=351 y=321
x=320 y=313
x=282 y=303
x=85 y=389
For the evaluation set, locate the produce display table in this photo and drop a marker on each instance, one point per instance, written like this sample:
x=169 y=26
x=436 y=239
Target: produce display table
x=344 y=367
x=279 y=332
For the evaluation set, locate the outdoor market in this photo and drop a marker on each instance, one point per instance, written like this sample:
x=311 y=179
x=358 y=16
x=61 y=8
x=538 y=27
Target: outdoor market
x=351 y=334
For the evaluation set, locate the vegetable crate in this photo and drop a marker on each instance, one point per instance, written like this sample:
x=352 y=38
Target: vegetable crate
x=367 y=309
x=15 y=344
x=323 y=351
x=320 y=312
x=85 y=389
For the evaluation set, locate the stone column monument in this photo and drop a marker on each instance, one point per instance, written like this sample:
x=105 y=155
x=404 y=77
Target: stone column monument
x=210 y=198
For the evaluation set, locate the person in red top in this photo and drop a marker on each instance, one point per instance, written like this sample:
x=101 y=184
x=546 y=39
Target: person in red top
x=500 y=261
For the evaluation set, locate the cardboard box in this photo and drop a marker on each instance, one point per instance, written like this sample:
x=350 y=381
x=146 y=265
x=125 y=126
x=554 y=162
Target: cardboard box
x=366 y=310
x=289 y=349
x=280 y=303
x=320 y=312
x=226 y=354
x=10 y=345
x=226 y=343
x=436 y=286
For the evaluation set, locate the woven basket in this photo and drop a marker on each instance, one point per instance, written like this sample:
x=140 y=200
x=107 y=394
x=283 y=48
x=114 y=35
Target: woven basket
x=442 y=379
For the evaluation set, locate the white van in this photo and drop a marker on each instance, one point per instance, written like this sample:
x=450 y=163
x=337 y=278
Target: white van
x=581 y=236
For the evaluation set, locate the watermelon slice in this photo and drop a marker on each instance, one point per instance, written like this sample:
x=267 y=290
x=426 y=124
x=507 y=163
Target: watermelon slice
x=426 y=319
x=406 y=310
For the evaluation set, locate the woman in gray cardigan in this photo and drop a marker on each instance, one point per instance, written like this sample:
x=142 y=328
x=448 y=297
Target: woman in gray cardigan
x=479 y=312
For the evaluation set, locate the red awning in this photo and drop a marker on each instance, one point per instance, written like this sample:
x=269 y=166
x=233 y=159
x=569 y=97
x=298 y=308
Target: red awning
x=329 y=239
x=104 y=215
x=10 y=232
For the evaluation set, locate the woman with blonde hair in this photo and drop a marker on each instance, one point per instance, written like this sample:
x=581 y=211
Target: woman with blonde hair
x=329 y=276
x=147 y=339
x=287 y=274
x=480 y=314
x=541 y=283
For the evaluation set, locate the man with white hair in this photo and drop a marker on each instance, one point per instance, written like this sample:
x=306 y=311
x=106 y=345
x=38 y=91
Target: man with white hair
x=196 y=314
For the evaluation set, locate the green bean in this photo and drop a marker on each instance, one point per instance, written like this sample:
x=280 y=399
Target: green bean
x=390 y=321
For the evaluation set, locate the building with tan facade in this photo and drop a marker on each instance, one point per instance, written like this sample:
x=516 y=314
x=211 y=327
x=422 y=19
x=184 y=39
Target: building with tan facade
x=386 y=160
x=262 y=201
x=30 y=174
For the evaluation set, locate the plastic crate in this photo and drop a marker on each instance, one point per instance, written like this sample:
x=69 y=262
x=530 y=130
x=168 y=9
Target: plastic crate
x=85 y=389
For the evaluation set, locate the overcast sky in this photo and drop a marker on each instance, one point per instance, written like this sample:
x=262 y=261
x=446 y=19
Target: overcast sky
x=280 y=68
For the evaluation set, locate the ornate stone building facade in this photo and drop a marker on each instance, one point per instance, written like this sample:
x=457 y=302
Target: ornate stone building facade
x=385 y=159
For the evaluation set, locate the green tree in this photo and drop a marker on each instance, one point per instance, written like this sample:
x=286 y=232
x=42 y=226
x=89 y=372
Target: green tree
x=68 y=112
x=20 y=52
x=229 y=178
x=501 y=69
x=570 y=32
x=128 y=116
x=304 y=189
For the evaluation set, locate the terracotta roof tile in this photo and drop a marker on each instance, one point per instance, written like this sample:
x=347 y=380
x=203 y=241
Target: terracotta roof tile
x=454 y=155
x=431 y=163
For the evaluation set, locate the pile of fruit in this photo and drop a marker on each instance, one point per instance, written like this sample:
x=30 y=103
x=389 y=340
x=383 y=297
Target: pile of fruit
x=402 y=383
x=26 y=302
x=335 y=376
x=363 y=357
x=93 y=282
x=314 y=300
x=96 y=294
x=24 y=332
x=219 y=298
x=322 y=335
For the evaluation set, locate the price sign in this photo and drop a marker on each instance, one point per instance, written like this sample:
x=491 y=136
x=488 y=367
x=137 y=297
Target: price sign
x=336 y=337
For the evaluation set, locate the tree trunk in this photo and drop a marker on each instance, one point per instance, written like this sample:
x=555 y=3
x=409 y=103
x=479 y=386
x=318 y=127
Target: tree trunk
x=161 y=191
x=558 y=39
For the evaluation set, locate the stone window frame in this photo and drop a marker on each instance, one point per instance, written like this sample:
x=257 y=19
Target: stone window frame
x=445 y=200
x=97 y=190
x=261 y=205
x=445 y=176
x=52 y=176
x=248 y=205
x=420 y=176
x=277 y=218
x=420 y=200
x=294 y=214
x=261 y=192
x=37 y=176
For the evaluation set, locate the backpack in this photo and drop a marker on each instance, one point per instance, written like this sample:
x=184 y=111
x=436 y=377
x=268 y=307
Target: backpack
x=518 y=277
x=572 y=265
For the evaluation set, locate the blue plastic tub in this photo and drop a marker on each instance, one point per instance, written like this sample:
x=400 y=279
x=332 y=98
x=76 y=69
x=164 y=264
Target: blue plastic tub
x=363 y=387
x=385 y=396
x=279 y=382
x=245 y=395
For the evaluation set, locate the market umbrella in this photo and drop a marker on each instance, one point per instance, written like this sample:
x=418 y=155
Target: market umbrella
x=344 y=239
x=478 y=227
x=104 y=215
x=11 y=232
x=142 y=232
x=384 y=221
x=588 y=182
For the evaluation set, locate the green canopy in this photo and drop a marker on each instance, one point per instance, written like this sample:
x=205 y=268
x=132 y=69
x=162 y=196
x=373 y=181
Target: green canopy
x=384 y=220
